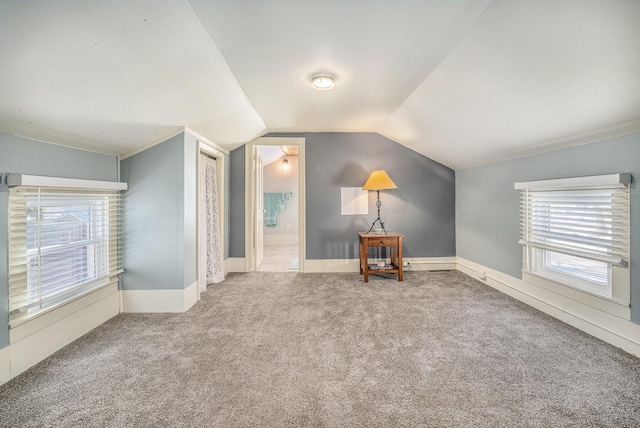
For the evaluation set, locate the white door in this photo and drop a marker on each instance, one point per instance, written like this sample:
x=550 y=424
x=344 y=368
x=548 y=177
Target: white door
x=259 y=212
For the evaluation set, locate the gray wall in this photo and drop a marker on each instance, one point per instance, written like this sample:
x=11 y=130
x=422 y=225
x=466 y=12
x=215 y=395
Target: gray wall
x=161 y=214
x=236 y=199
x=21 y=155
x=154 y=217
x=487 y=206
x=422 y=207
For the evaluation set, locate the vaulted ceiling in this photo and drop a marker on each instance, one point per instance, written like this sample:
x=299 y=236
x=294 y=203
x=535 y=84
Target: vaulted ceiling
x=464 y=82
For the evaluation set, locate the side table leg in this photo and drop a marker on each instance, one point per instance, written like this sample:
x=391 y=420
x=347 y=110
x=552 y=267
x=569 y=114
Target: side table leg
x=366 y=261
x=400 y=266
x=361 y=255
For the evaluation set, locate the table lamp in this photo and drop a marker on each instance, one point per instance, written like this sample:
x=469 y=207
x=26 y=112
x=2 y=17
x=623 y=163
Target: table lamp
x=379 y=180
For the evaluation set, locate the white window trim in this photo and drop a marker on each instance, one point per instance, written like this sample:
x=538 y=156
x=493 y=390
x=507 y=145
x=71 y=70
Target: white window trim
x=52 y=312
x=570 y=280
x=576 y=182
x=65 y=183
x=619 y=302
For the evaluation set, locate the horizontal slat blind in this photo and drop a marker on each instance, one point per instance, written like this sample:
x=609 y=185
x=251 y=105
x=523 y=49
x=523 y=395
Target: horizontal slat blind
x=591 y=222
x=62 y=242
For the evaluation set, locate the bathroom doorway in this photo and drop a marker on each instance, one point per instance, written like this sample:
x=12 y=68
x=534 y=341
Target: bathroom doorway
x=275 y=205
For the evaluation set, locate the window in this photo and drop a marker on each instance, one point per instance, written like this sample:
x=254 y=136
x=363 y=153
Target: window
x=576 y=231
x=62 y=243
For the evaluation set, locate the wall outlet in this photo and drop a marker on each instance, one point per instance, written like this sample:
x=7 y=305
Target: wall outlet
x=483 y=275
x=406 y=263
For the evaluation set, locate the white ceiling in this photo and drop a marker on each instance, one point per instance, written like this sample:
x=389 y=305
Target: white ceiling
x=464 y=82
x=270 y=154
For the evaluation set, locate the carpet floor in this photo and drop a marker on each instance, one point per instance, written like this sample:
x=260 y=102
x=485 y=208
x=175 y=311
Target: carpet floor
x=327 y=350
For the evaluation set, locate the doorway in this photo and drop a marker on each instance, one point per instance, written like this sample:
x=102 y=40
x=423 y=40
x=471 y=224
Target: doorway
x=279 y=200
x=210 y=216
x=274 y=217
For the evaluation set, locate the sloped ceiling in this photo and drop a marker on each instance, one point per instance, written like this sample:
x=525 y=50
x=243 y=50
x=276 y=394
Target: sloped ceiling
x=463 y=82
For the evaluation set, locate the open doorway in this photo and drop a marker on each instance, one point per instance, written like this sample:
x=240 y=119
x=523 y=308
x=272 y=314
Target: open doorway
x=275 y=205
x=279 y=202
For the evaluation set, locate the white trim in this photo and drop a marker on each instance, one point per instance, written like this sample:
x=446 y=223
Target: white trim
x=166 y=137
x=431 y=263
x=5 y=364
x=236 y=264
x=565 y=183
x=159 y=301
x=608 y=327
x=30 y=350
x=281 y=239
x=191 y=296
x=618 y=308
x=66 y=183
x=23 y=328
x=213 y=147
x=352 y=265
x=250 y=200
x=331 y=265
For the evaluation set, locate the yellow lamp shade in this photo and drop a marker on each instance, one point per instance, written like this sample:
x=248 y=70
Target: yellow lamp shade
x=379 y=180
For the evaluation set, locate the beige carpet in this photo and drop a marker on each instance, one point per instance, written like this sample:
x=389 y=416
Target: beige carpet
x=327 y=350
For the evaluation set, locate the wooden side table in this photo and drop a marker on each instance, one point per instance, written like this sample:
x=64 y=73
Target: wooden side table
x=391 y=239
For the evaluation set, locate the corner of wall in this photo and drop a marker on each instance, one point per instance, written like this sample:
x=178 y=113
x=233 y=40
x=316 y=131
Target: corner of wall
x=159 y=301
x=5 y=365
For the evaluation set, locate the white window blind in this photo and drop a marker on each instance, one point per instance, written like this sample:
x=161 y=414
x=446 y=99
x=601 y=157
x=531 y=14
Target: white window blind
x=589 y=221
x=62 y=243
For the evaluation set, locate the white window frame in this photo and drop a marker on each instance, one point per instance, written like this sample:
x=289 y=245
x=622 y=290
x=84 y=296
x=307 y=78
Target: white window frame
x=617 y=289
x=27 y=187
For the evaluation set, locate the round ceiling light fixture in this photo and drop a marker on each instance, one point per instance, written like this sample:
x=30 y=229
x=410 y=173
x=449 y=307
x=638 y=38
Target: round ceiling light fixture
x=322 y=82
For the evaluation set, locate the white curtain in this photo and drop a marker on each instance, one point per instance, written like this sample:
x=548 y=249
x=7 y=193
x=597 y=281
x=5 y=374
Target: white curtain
x=211 y=226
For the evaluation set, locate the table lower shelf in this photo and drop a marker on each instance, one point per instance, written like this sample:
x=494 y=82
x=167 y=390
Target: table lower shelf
x=388 y=268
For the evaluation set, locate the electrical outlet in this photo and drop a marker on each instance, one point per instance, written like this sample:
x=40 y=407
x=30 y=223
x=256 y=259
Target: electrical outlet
x=406 y=263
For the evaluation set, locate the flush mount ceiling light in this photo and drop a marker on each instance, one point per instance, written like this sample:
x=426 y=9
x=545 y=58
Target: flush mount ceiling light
x=322 y=82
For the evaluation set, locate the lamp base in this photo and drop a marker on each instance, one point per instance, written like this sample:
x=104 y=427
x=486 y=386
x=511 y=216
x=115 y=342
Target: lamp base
x=378 y=205
x=378 y=220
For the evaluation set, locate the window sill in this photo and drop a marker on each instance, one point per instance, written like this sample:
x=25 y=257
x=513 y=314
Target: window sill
x=617 y=307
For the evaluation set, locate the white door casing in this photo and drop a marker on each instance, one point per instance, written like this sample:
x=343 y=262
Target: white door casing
x=259 y=209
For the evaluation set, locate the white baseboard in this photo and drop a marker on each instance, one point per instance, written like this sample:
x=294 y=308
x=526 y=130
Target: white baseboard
x=159 y=301
x=431 y=263
x=191 y=296
x=236 y=264
x=29 y=350
x=331 y=265
x=608 y=327
x=280 y=239
x=352 y=265
x=5 y=364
